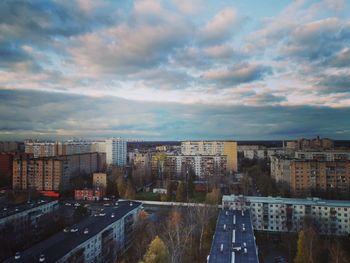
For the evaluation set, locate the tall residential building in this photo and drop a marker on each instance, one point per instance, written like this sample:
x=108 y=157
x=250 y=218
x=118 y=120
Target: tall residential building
x=316 y=143
x=100 y=238
x=53 y=173
x=276 y=214
x=116 y=151
x=48 y=149
x=228 y=148
x=307 y=175
x=9 y=146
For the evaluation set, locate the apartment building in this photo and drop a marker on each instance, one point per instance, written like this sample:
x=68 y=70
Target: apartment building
x=116 y=151
x=49 y=149
x=23 y=217
x=53 y=173
x=203 y=166
x=316 y=143
x=9 y=146
x=99 y=180
x=280 y=168
x=99 y=238
x=228 y=148
x=306 y=175
x=275 y=214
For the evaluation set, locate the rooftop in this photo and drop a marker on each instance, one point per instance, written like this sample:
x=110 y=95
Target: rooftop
x=8 y=211
x=60 y=244
x=293 y=201
x=234 y=239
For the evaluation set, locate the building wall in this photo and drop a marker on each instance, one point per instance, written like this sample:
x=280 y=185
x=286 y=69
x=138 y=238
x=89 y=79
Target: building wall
x=52 y=173
x=288 y=214
x=116 y=151
x=99 y=180
x=228 y=148
x=321 y=175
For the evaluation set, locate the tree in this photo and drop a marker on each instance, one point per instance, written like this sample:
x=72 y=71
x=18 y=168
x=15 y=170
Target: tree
x=190 y=182
x=301 y=256
x=214 y=197
x=130 y=192
x=112 y=189
x=157 y=252
x=181 y=192
x=337 y=253
x=121 y=186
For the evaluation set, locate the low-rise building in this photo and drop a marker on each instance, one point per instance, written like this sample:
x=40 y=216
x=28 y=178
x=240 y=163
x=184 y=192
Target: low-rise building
x=275 y=214
x=88 y=194
x=99 y=180
x=99 y=238
x=234 y=239
x=23 y=217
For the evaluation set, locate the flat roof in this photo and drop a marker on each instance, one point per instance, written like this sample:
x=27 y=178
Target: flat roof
x=293 y=201
x=231 y=239
x=9 y=211
x=60 y=244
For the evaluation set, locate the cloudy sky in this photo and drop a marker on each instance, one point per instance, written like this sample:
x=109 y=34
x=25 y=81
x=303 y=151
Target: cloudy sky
x=175 y=69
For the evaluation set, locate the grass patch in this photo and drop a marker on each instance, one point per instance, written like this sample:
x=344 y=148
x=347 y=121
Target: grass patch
x=149 y=196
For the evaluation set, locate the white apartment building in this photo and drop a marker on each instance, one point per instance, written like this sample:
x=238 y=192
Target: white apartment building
x=116 y=151
x=275 y=214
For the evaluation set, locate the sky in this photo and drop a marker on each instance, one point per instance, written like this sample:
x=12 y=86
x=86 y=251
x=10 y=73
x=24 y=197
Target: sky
x=175 y=69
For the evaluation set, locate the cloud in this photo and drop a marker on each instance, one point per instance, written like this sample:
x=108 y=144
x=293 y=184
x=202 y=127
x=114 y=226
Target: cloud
x=58 y=115
x=221 y=27
x=241 y=73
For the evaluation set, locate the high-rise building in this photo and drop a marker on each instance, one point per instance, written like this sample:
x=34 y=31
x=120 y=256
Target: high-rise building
x=53 y=173
x=228 y=148
x=116 y=151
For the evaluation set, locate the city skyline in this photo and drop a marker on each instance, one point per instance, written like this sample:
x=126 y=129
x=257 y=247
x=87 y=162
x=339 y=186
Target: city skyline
x=175 y=70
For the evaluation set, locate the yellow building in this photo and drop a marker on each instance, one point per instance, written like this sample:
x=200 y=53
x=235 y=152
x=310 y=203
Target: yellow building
x=99 y=180
x=228 y=148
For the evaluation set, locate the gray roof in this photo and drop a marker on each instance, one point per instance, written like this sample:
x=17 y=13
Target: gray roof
x=60 y=244
x=8 y=211
x=242 y=238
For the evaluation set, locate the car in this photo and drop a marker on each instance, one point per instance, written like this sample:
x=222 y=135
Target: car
x=102 y=214
x=42 y=258
x=112 y=215
x=68 y=204
x=105 y=198
x=107 y=204
x=74 y=230
x=76 y=204
x=17 y=255
x=66 y=229
x=86 y=231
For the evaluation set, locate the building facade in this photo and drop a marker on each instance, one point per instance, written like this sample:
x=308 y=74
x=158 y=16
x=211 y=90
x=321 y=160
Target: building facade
x=275 y=214
x=53 y=173
x=116 y=151
x=23 y=217
x=100 y=238
x=228 y=148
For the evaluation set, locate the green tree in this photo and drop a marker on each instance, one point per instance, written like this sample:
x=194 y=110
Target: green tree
x=181 y=192
x=301 y=256
x=157 y=252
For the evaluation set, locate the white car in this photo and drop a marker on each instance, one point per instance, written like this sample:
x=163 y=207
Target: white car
x=42 y=258
x=17 y=255
x=86 y=231
x=102 y=214
x=66 y=229
x=73 y=230
x=112 y=215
